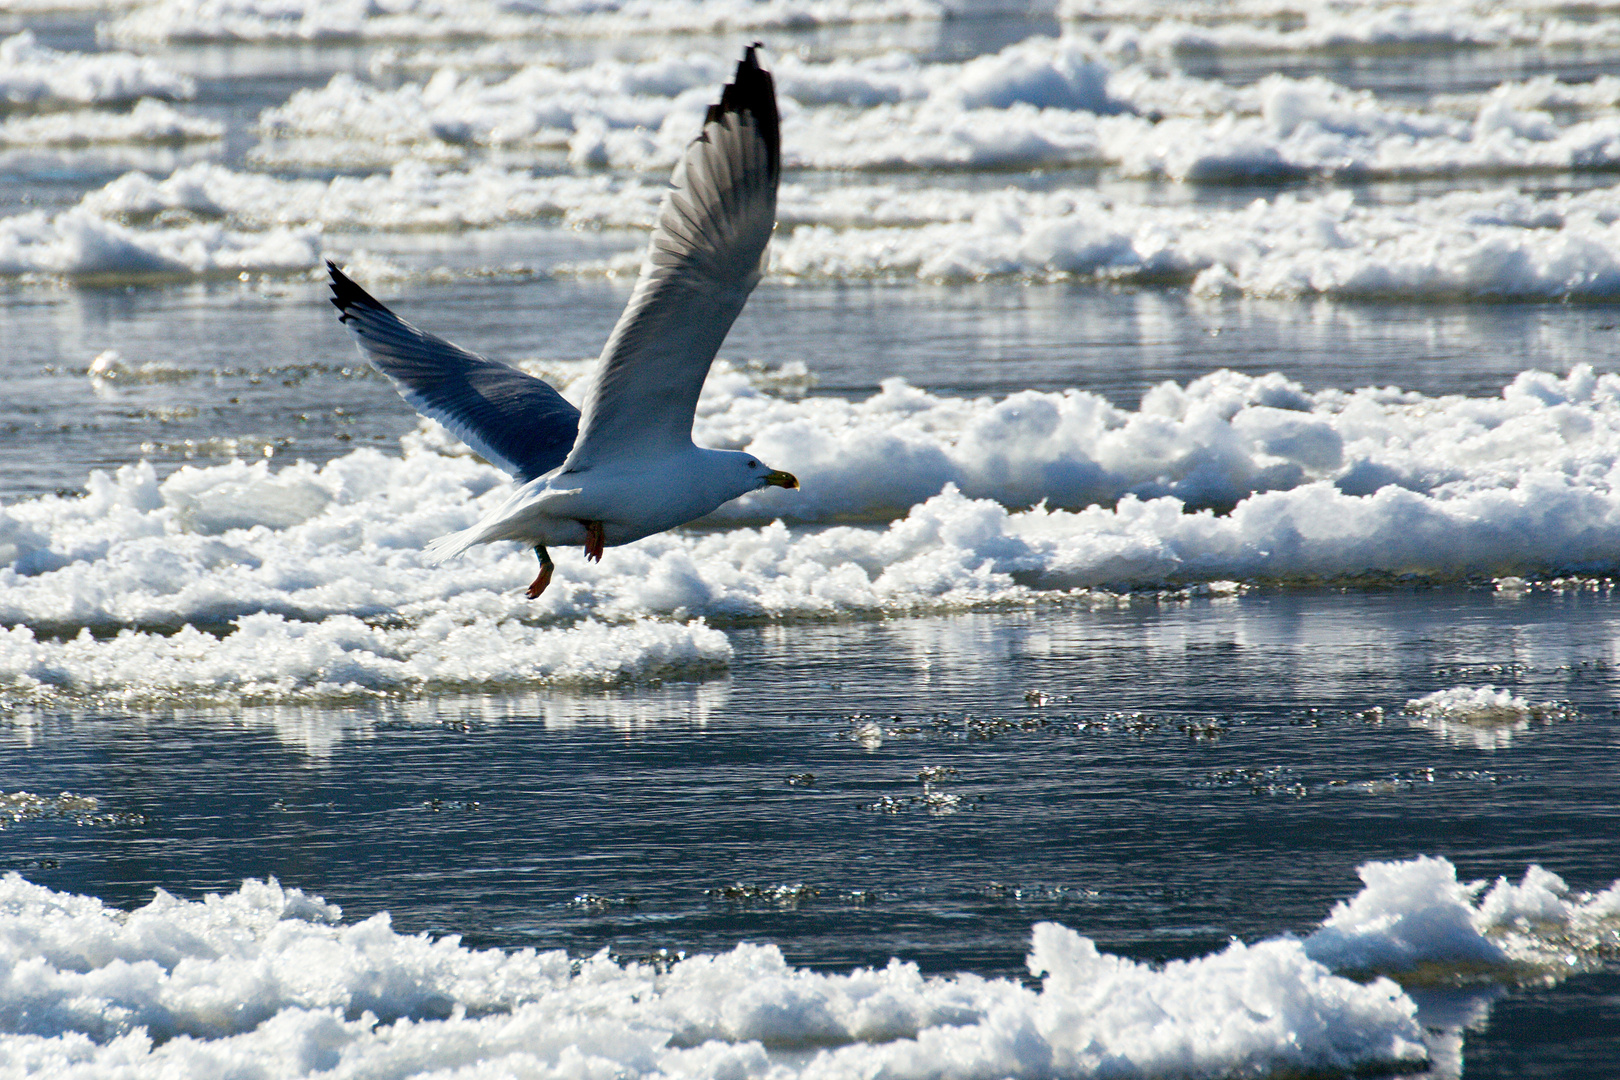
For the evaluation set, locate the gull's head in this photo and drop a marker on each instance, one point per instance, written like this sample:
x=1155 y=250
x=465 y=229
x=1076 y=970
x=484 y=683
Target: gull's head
x=757 y=474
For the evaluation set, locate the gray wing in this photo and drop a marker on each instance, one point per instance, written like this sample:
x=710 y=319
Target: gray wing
x=510 y=418
x=705 y=257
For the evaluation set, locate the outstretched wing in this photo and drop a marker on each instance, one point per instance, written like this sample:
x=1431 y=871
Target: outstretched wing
x=512 y=419
x=706 y=254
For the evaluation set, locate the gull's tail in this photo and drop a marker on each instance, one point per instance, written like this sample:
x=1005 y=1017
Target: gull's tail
x=447 y=547
x=506 y=522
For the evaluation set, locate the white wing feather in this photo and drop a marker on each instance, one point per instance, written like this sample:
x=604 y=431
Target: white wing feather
x=706 y=254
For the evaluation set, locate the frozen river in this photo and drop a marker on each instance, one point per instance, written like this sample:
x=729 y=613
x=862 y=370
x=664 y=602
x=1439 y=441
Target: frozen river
x=1192 y=651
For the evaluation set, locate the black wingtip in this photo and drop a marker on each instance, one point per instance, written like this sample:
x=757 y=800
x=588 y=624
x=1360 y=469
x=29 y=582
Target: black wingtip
x=753 y=91
x=345 y=293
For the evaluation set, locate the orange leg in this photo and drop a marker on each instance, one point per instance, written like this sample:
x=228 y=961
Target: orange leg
x=538 y=585
x=594 y=540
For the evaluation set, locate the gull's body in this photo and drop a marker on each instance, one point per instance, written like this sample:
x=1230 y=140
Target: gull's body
x=666 y=491
x=626 y=467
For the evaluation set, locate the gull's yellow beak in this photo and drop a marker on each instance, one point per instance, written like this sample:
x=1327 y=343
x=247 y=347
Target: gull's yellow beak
x=778 y=478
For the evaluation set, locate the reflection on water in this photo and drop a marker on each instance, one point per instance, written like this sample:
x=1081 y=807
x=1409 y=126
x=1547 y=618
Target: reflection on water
x=635 y=712
x=317 y=734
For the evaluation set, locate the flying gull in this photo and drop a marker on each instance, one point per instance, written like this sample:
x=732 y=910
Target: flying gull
x=626 y=468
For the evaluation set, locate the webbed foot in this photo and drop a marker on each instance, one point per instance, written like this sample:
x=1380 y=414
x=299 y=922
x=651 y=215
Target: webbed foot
x=538 y=585
x=594 y=540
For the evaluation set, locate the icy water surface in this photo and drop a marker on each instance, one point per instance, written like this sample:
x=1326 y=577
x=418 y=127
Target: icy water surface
x=1191 y=653
x=1168 y=775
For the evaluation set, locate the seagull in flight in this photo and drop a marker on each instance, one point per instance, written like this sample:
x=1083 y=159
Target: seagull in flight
x=626 y=467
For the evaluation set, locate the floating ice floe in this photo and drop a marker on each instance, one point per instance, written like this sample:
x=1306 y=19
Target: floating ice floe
x=271 y=976
x=1223 y=441
x=1042 y=101
x=1312 y=127
x=411 y=196
x=149 y=122
x=80 y=244
x=635 y=114
x=412 y=20
x=32 y=6
x=1541 y=93
x=538 y=107
x=640 y=115
x=1332 y=25
x=1482 y=716
x=1046 y=101
x=270 y=659
x=32 y=75
x=1466 y=245
x=1463 y=245
x=911 y=502
x=1415 y=920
